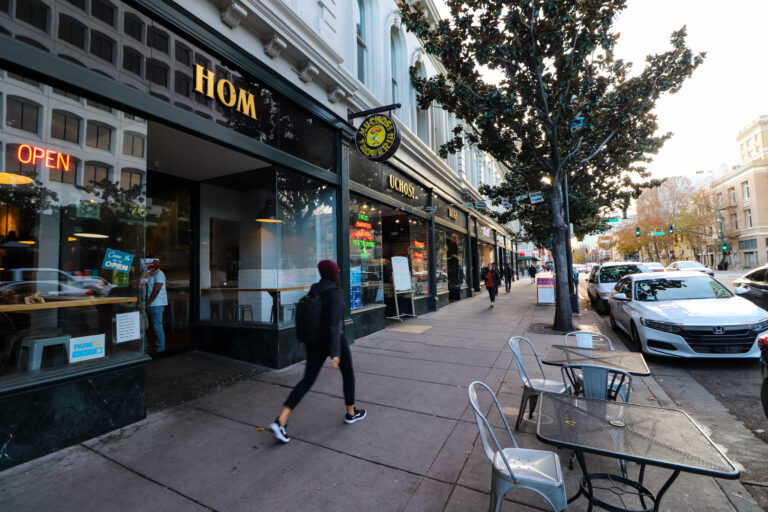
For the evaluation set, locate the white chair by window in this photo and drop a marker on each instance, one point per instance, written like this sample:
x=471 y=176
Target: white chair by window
x=517 y=468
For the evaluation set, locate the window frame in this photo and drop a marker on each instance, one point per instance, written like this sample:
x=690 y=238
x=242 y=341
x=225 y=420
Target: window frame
x=31 y=4
x=98 y=126
x=69 y=117
x=95 y=166
x=24 y=103
x=133 y=137
x=66 y=21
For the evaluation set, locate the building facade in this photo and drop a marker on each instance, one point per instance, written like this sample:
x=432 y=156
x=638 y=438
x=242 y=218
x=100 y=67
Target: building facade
x=214 y=137
x=740 y=196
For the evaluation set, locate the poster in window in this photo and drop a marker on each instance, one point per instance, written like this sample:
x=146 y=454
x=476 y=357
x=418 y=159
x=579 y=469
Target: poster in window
x=355 y=287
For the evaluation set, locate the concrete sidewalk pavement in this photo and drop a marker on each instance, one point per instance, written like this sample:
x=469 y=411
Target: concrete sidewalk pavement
x=418 y=449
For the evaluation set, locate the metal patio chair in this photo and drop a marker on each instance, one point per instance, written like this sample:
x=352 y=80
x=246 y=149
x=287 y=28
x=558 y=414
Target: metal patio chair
x=586 y=339
x=532 y=387
x=601 y=383
x=518 y=468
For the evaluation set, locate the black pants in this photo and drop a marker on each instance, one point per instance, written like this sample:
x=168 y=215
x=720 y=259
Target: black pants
x=315 y=360
x=493 y=291
x=508 y=283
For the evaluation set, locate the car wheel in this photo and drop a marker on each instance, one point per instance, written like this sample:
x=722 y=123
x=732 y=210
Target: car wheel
x=603 y=307
x=637 y=345
x=613 y=322
x=764 y=396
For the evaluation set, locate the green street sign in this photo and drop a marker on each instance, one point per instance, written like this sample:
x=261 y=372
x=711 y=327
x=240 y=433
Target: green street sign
x=613 y=219
x=658 y=233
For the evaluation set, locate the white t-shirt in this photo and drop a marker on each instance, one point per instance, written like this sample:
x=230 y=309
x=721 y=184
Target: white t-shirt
x=162 y=297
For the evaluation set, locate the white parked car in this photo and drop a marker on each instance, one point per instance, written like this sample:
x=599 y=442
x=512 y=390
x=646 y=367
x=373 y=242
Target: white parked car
x=654 y=266
x=686 y=314
x=602 y=279
x=690 y=265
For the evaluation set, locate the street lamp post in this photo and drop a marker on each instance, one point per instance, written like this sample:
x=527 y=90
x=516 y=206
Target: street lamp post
x=720 y=220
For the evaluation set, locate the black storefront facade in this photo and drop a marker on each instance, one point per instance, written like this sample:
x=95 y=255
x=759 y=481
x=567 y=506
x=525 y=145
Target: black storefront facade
x=131 y=131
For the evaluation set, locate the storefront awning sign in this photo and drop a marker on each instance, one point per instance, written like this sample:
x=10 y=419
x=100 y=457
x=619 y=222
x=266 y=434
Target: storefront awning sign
x=117 y=260
x=378 y=137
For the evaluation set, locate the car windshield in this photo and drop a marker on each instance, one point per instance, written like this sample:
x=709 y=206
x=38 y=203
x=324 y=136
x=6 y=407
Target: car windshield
x=689 y=264
x=614 y=273
x=651 y=290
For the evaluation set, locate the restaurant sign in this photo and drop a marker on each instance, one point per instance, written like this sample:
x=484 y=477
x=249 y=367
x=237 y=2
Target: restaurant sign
x=226 y=93
x=401 y=186
x=378 y=137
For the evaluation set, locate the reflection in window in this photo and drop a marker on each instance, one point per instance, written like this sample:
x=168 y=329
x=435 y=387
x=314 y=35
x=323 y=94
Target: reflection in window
x=183 y=54
x=133 y=145
x=62 y=176
x=130 y=178
x=4 y=6
x=33 y=12
x=65 y=126
x=182 y=84
x=95 y=174
x=133 y=27
x=157 y=39
x=23 y=79
x=366 y=259
x=102 y=46
x=22 y=115
x=98 y=136
x=71 y=31
x=157 y=72
x=12 y=163
x=104 y=11
x=132 y=61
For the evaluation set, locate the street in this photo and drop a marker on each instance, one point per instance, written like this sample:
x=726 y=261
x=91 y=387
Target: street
x=734 y=383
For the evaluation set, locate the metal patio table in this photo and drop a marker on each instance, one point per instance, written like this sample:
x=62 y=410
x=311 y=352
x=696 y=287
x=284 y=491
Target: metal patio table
x=630 y=362
x=643 y=434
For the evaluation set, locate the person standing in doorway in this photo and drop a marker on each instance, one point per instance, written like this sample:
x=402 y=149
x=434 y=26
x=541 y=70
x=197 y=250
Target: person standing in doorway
x=492 y=280
x=331 y=344
x=532 y=273
x=508 y=276
x=157 y=299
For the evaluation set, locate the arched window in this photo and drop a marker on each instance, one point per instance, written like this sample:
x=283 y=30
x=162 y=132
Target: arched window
x=396 y=60
x=360 y=33
x=422 y=116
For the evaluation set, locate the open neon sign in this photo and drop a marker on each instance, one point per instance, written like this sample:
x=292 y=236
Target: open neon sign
x=51 y=159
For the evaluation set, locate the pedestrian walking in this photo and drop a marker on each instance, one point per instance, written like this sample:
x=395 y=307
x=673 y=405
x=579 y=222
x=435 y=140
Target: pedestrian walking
x=333 y=344
x=532 y=273
x=508 y=276
x=492 y=280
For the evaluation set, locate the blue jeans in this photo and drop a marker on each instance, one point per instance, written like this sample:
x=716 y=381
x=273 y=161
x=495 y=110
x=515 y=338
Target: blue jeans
x=156 y=319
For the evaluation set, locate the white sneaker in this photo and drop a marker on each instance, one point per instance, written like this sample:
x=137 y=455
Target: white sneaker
x=279 y=431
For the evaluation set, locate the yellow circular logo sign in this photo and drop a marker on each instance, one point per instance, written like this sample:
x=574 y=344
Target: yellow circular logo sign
x=378 y=137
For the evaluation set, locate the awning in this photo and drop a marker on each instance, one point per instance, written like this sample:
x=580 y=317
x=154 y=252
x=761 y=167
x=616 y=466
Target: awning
x=524 y=258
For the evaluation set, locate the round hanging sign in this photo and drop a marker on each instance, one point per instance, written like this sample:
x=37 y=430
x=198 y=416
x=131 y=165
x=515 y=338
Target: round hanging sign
x=378 y=137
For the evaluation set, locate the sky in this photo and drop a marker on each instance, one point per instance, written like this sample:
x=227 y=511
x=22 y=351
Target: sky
x=727 y=92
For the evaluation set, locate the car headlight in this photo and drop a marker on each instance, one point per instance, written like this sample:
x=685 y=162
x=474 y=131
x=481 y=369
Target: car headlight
x=761 y=326
x=660 y=326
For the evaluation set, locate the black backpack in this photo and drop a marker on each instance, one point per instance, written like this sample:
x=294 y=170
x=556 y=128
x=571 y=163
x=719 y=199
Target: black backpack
x=309 y=318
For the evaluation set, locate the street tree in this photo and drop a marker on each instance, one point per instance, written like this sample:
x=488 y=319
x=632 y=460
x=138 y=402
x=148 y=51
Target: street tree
x=564 y=105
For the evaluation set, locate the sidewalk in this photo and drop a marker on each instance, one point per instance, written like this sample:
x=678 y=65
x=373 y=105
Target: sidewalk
x=418 y=449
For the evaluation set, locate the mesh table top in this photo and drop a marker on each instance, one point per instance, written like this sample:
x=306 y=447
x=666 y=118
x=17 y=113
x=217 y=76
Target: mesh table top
x=653 y=435
x=632 y=362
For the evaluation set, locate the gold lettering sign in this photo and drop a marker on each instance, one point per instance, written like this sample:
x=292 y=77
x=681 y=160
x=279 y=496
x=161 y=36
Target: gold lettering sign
x=453 y=213
x=378 y=137
x=206 y=83
x=402 y=187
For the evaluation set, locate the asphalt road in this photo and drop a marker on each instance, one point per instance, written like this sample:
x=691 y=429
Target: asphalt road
x=734 y=383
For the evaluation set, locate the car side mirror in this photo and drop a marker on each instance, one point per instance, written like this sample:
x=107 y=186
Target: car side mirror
x=620 y=296
x=740 y=291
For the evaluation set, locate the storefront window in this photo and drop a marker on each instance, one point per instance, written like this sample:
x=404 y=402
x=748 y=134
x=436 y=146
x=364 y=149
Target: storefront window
x=486 y=254
x=70 y=240
x=451 y=269
x=366 y=262
x=262 y=234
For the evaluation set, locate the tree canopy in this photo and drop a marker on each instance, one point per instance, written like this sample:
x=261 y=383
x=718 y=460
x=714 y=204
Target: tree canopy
x=564 y=105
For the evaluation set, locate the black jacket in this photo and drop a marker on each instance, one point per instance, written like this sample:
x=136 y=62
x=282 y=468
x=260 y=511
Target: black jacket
x=333 y=315
x=508 y=273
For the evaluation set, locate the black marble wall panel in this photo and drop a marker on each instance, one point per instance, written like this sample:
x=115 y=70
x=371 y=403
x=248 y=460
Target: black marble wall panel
x=37 y=421
x=368 y=321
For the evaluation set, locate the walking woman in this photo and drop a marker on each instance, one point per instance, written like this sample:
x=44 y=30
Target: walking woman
x=492 y=281
x=332 y=344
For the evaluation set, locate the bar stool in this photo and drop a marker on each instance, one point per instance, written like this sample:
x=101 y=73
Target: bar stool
x=35 y=348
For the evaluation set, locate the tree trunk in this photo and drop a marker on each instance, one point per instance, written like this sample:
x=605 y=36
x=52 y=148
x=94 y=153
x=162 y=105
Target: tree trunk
x=563 y=312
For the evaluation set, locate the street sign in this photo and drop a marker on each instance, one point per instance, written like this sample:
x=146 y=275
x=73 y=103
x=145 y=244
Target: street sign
x=481 y=204
x=536 y=197
x=715 y=237
x=612 y=220
x=506 y=204
x=521 y=198
x=658 y=233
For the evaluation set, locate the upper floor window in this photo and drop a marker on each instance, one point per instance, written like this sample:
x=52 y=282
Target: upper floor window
x=133 y=145
x=732 y=195
x=422 y=116
x=183 y=54
x=745 y=190
x=33 y=12
x=719 y=199
x=104 y=11
x=65 y=126
x=98 y=136
x=102 y=46
x=132 y=61
x=61 y=176
x=130 y=178
x=22 y=115
x=360 y=37
x=748 y=218
x=157 y=72
x=72 y=31
x=133 y=27
x=4 y=6
x=157 y=39
x=95 y=174
x=734 y=221
x=13 y=165
x=396 y=61
x=182 y=84
x=78 y=3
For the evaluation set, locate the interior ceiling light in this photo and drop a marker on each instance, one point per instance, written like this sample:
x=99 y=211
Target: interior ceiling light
x=90 y=235
x=268 y=213
x=28 y=242
x=10 y=178
x=71 y=239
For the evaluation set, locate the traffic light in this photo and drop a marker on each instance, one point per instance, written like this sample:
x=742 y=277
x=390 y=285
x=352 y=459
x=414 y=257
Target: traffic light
x=725 y=247
x=671 y=229
x=637 y=231
x=727 y=253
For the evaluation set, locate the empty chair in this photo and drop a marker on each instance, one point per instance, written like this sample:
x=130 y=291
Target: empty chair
x=531 y=387
x=535 y=470
x=586 y=339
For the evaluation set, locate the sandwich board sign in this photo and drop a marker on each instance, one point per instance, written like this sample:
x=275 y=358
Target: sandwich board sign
x=401 y=282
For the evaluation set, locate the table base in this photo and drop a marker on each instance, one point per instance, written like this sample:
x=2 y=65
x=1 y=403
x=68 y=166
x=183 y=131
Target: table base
x=617 y=485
